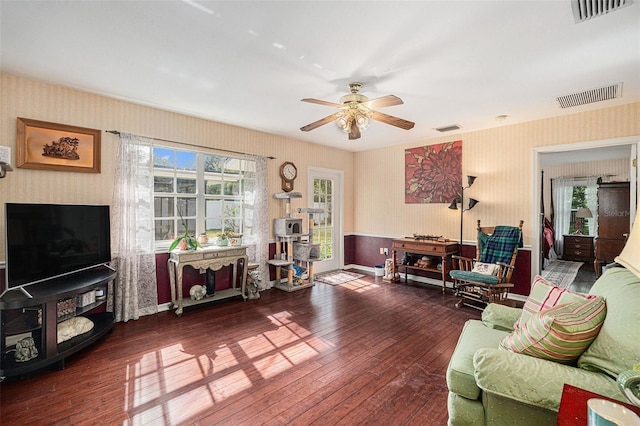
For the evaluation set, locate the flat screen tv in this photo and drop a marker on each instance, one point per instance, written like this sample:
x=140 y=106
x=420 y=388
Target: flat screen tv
x=50 y=240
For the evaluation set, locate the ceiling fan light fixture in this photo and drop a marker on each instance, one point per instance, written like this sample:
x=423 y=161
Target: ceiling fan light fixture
x=343 y=123
x=356 y=111
x=362 y=121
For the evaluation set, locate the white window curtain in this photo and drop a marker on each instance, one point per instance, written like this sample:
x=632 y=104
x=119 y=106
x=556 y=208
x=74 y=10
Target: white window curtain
x=591 y=195
x=136 y=291
x=562 y=197
x=256 y=220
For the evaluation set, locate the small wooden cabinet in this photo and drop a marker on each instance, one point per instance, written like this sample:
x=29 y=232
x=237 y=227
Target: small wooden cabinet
x=578 y=248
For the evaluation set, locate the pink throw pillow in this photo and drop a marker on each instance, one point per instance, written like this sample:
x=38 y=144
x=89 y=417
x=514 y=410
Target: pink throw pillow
x=545 y=295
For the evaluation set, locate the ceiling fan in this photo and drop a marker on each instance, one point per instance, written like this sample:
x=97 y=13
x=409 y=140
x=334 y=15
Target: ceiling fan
x=356 y=110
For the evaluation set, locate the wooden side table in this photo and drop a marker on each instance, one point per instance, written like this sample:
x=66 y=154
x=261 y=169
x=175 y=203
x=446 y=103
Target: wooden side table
x=573 y=406
x=441 y=250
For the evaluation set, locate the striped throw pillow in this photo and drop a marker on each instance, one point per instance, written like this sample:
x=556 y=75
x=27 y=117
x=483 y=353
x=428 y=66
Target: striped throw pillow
x=561 y=333
x=545 y=295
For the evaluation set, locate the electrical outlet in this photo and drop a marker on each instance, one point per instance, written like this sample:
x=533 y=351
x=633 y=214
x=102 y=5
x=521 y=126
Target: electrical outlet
x=382 y=250
x=386 y=251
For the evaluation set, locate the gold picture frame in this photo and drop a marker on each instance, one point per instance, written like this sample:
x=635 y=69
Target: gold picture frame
x=52 y=146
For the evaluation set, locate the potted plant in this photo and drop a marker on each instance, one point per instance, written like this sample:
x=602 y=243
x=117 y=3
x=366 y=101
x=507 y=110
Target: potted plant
x=222 y=238
x=185 y=241
x=235 y=239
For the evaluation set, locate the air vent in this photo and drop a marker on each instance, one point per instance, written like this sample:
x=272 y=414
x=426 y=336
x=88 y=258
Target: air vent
x=448 y=128
x=590 y=96
x=587 y=9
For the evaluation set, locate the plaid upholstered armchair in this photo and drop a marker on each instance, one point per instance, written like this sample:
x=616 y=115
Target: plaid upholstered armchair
x=486 y=278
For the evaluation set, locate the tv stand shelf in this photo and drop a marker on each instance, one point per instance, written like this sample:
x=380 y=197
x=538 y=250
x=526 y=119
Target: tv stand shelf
x=37 y=316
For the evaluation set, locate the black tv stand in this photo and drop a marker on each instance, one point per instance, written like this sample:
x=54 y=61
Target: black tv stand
x=26 y=293
x=36 y=313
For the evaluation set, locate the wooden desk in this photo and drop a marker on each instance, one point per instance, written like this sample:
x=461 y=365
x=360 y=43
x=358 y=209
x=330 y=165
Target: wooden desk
x=573 y=406
x=442 y=250
x=213 y=258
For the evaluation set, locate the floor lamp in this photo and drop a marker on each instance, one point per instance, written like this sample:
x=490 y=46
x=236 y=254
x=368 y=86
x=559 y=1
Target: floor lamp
x=472 y=203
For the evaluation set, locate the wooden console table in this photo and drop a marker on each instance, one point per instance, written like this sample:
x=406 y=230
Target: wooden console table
x=213 y=258
x=443 y=250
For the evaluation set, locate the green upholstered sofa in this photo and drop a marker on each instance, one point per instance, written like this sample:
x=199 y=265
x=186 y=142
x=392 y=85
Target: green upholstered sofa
x=491 y=386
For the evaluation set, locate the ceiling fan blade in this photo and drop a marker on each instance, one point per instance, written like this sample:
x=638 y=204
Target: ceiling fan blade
x=385 y=101
x=354 y=131
x=394 y=121
x=319 y=102
x=322 y=121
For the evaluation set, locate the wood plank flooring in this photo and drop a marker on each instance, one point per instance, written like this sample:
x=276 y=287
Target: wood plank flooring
x=585 y=279
x=364 y=352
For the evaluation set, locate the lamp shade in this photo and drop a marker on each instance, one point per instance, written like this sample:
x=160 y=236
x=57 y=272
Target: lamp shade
x=583 y=212
x=454 y=204
x=472 y=203
x=630 y=255
x=470 y=180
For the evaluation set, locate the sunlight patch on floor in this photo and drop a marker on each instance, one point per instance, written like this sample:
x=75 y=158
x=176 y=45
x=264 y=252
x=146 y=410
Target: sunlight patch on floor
x=176 y=383
x=360 y=286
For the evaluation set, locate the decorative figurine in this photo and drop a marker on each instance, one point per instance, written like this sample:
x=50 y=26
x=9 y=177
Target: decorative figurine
x=197 y=292
x=26 y=350
x=253 y=291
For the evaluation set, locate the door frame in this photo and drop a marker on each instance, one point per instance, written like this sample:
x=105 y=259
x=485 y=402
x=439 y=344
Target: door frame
x=632 y=141
x=338 y=177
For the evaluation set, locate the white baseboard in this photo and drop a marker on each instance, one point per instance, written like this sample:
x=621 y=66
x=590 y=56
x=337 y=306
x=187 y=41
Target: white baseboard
x=164 y=307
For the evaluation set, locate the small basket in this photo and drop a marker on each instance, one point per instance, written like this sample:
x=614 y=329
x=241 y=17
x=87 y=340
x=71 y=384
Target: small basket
x=66 y=307
x=86 y=299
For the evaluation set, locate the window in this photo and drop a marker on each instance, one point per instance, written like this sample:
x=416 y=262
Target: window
x=323 y=233
x=569 y=195
x=203 y=191
x=578 y=199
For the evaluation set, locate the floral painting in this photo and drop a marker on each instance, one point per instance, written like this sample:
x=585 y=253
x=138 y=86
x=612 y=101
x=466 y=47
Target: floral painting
x=433 y=173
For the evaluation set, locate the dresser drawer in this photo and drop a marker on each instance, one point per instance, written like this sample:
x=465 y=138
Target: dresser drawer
x=412 y=246
x=575 y=252
x=578 y=242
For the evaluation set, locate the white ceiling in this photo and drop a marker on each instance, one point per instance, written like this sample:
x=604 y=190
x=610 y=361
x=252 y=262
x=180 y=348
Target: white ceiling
x=249 y=63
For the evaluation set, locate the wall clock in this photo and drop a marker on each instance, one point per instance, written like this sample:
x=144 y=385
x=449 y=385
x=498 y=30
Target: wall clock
x=288 y=173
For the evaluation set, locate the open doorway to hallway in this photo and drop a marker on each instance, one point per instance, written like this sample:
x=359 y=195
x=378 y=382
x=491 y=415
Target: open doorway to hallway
x=611 y=159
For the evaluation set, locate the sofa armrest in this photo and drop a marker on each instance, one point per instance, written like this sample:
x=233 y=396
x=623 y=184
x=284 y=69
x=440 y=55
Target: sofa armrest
x=535 y=381
x=500 y=317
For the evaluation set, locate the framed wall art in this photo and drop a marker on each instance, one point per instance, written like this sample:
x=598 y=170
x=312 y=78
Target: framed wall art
x=51 y=146
x=433 y=173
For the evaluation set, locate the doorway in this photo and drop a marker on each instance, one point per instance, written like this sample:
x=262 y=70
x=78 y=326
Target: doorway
x=562 y=153
x=325 y=187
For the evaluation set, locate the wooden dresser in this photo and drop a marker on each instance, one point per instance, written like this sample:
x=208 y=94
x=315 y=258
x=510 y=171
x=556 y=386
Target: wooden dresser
x=613 y=221
x=578 y=248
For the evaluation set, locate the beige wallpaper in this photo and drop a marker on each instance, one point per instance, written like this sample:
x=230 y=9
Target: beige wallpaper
x=611 y=171
x=20 y=97
x=374 y=180
x=501 y=158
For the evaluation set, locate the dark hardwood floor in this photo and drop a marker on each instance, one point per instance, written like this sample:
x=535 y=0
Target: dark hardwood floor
x=364 y=352
x=585 y=279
